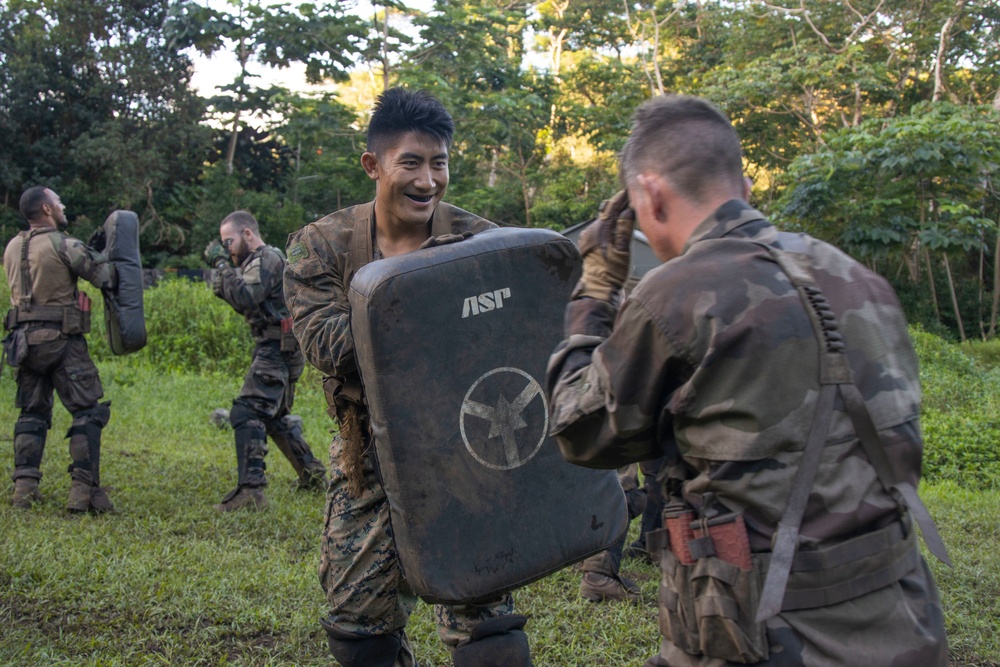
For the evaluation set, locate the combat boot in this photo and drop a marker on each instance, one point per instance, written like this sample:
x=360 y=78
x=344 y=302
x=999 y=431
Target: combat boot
x=243 y=497
x=602 y=588
x=84 y=497
x=25 y=492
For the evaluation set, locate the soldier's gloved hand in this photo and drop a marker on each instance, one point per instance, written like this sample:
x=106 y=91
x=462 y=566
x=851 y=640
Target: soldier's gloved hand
x=216 y=255
x=606 y=247
x=444 y=239
x=98 y=240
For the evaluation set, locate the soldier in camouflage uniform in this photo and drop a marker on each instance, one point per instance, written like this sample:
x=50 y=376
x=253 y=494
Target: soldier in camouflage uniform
x=407 y=157
x=45 y=325
x=727 y=360
x=264 y=405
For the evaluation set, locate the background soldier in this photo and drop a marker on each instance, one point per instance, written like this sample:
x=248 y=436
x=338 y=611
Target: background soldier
x=407 y=157
x=46 y=323
x=265 y=402
x=728 y=360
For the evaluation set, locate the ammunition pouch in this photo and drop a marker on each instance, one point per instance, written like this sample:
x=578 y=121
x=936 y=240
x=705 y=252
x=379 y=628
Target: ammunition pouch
x=708 y=604
x=281 y=332
x=15 y=347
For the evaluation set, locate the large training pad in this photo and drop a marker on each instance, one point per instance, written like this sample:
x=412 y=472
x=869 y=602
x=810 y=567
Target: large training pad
x=123 y=309
x=452 y=344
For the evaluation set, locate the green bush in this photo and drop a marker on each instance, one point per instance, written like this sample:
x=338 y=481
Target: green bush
x=189 y=329
x=961 y=413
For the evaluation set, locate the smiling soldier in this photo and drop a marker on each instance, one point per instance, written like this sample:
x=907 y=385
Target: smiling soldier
x=407 y=157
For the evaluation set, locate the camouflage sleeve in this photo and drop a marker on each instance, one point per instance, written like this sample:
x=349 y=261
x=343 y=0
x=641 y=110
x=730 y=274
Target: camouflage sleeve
x=317 y=300
x=608 y=392
x=84 y=261
x=246 y=292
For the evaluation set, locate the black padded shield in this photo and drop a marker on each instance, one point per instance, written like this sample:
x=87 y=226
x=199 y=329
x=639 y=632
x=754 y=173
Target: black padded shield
x=124 y=317
x=452 y=344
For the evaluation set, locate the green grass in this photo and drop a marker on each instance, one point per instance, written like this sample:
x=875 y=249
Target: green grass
x=168 y=581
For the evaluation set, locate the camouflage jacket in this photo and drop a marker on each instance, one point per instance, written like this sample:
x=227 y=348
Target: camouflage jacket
x=712 y=361
x=255 y=291
x=319 y=273
x=55 y=261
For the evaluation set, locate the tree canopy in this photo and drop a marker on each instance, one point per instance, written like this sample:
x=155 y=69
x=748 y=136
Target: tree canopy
x=869 y=123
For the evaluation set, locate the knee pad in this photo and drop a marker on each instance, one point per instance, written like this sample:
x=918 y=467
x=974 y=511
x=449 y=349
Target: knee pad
x=352 y=650
x=100 y=415
x=497 y=642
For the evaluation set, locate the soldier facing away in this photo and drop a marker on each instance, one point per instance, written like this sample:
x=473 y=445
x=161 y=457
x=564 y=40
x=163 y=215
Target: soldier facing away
x=407 y=156
x=264 y=405
x=776 y=376
x=46 y=323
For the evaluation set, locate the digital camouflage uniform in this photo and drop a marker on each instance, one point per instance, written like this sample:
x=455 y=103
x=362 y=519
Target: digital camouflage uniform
x=359 y=570
x=265 y=402
x=713 y=361
x=45 y=307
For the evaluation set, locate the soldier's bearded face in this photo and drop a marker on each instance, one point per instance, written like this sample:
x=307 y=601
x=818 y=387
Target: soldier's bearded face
x=412 y=176
x=234 y=243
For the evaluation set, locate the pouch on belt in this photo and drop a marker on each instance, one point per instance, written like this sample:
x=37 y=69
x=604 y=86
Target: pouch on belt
x=452 y=343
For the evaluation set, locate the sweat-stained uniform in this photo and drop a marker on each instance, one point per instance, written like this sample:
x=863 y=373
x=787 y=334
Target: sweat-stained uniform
x=45 y=307
x=359 y=569
x=265 y=402
x=714 y=361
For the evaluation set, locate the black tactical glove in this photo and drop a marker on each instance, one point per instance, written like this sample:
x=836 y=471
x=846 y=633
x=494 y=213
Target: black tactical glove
x=216 y=255
x=606 y=247
x=98 y=240
x=444 y=239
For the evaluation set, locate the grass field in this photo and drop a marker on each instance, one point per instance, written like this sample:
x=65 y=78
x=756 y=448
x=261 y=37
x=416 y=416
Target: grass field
x=168 y=581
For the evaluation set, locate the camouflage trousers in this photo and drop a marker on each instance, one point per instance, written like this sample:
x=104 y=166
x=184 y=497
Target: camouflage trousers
x=269 y=385
x=608 y=562
x=899 y=625
x=360 y=572
x=62 y=365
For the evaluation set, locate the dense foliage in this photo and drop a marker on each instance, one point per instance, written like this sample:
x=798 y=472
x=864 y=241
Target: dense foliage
x=870 y=123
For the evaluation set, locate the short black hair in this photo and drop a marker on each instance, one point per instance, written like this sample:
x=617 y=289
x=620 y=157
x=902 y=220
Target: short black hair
x=241 y=220
x=399 y=110
x=687 y=140
x=32 y=200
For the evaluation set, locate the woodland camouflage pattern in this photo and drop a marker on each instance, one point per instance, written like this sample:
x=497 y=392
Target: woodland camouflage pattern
x=713 y=362
x=359 y=569
x=256 y=294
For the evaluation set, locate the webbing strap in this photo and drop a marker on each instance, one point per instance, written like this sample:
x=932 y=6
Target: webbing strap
x=787 y=537
x=361 y=244
x=875 y=449
x=835 y=377
x=24 y=301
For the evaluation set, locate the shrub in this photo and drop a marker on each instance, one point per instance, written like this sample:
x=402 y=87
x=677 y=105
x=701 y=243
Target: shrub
x=188 y=329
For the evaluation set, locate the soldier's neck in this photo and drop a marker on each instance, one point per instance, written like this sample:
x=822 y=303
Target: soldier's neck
x=392 y=240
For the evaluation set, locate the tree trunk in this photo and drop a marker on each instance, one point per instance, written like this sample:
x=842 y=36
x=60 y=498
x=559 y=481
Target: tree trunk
x=996 y=284
x=930 y=280
x=954 y=298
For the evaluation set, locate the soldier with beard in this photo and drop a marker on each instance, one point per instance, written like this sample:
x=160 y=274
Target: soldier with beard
x=264 y=405
x=46 y=324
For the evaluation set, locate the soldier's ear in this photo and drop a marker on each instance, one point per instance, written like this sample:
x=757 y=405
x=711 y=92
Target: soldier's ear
x=369 y=161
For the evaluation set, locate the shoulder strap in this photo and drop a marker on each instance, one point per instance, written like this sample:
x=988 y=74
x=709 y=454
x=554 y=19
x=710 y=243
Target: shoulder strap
x=24 y=301
x=835 y=378
x=362 y=247
x=361 y=243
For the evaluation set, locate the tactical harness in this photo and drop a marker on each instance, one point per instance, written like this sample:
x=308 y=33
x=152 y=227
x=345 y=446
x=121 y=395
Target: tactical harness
x=794 y=580
x=74 y=319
